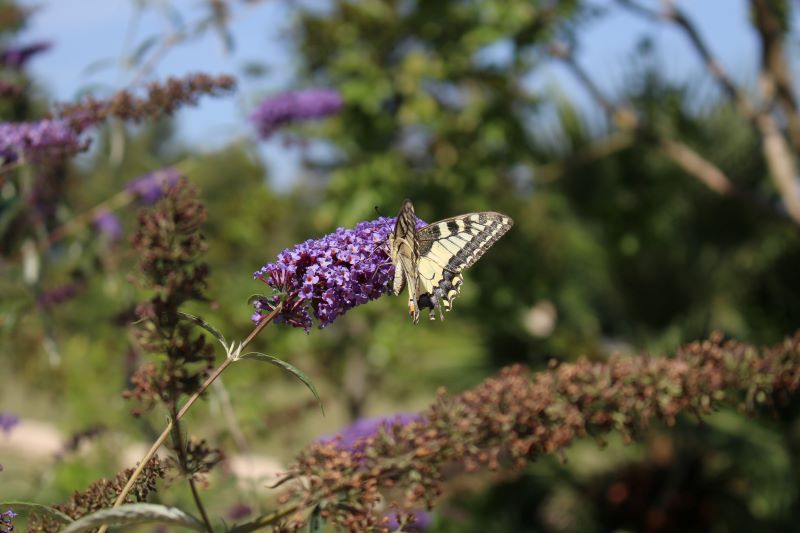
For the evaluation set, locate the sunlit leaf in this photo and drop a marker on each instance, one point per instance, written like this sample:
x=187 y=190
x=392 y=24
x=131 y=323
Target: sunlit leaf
x=135 y=513
x=315 y=521
x=289 y=368
x=41 y=510
x=206 y=326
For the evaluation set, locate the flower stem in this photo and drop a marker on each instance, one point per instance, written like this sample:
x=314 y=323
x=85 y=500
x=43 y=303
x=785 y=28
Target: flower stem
x=177 y=442
x=167 y=430
x=266 y=520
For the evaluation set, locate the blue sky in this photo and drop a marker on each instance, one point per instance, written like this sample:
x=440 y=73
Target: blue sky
x=87 y=31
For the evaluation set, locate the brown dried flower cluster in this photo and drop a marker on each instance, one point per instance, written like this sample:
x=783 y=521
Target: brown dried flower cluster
x=514 y=417
x=170 y=246
x=197 y=459
x=162 y=99
x=101 y=494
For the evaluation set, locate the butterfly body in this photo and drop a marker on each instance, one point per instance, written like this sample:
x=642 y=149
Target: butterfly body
x=429 y=260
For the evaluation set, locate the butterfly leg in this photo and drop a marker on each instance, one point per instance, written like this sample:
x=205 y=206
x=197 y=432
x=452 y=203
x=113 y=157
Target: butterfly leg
x=413 y=309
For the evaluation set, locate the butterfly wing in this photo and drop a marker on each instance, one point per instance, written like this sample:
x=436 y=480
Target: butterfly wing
x=403 y=250
x=447 y=247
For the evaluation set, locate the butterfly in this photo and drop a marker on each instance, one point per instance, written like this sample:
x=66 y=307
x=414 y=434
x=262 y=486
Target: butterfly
x=429 y=260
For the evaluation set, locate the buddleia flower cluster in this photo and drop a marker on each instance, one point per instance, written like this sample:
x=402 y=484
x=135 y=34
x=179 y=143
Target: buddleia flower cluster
x=37 y=140
x=324 y=278
x=364 y=432
x=353 y=436
x=151 y=186
x=516 y=416
x=6 y=525
x=281 y=109
x=109 y=225
x=8 y=421
x=17 y=57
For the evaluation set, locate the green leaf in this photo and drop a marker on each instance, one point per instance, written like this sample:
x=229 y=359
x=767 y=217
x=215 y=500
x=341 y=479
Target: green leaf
x=135 y=513
x=144 y=47
x=97 y=66
x=289 y=368
x=206 y=326
x=38 y=508
x=315 y=521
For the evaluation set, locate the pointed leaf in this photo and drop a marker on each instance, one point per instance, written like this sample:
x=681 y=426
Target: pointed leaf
x=141 y=50
x=135 y=513
x=290 y=369
x=97 y=66
x=38 y=508
x=315 y=521
x=206 y=326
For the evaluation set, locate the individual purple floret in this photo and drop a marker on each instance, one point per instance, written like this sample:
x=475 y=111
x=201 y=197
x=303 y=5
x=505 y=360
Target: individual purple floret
x=109 y=225
x=327 y=277
x=281 y=109
x=150 y=187
x=6 y=525
x=19 y=56
x=35 y=140
x=422 y=521
x=8 y=421
x=350 y=436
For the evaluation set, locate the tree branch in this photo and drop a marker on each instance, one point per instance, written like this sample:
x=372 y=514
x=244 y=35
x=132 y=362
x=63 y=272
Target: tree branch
x=779 y=157
x=776 y=77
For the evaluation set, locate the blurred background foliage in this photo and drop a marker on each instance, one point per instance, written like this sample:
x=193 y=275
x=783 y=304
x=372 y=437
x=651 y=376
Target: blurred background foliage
x=614 y=250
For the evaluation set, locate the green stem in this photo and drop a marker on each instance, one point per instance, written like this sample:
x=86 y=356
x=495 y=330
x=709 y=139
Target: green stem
x=165 y=434
x=177 y=442
x=266 y=520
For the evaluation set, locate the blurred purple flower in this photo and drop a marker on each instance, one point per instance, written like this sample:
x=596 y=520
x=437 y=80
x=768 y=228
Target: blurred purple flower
x=8 y=421
x=327 y=277
x=34 y=140
x=351 y=436
x=422 y=521
x=108 y=224
x=150 y=187
x=281 y=109
x=60 y=294
x=17 y=57
x=6 y=525
x=238 y=511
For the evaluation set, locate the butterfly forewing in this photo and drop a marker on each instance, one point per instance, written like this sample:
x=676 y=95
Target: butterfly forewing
x=449 y=246
x=404 y=255
x=462 y=240
x=432 y=265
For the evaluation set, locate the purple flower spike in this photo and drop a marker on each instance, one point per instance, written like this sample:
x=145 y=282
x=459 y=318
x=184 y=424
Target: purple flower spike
x=35 y=140
x=328 y=276
x=8 y=421
x=150 y=187
x=352 y=436
x=422 y=521
x=6 y=525
x=17 y=57
x=108 y=224
x=276 y=111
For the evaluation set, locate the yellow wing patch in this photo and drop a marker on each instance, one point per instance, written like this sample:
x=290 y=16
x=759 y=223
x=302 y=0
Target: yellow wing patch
x=429 y=261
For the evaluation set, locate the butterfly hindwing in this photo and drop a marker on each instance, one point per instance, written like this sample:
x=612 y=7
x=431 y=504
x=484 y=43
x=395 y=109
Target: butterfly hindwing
x=431 y=265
